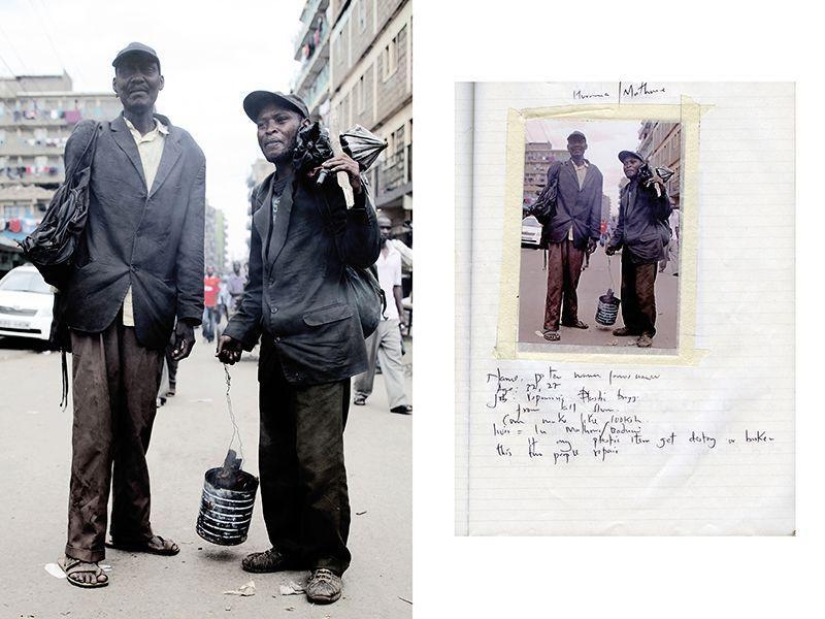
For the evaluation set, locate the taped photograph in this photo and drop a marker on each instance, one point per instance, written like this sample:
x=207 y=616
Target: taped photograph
x=599 y=263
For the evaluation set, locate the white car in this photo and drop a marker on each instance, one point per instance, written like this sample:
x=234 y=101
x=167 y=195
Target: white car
x=25 y=304
x=530 y=232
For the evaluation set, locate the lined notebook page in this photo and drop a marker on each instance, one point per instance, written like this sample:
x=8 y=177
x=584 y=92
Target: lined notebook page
x=596 y=444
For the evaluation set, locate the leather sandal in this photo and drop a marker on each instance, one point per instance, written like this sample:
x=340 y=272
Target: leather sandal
x=552 y=336
x=166 y=547
x=74 y=567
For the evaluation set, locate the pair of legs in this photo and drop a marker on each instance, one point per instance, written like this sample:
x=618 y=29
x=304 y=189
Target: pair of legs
x=211 y=321
x=114 y=388
x=564 y=268
x=384 y=346
x=638 y=299
x=304 y=492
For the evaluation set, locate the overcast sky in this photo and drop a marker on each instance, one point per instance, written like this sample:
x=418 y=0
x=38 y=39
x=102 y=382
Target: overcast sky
x=605 y=139
x=210 y=60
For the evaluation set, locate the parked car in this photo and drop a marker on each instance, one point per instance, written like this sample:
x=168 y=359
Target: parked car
x=530 y=232
x=25 y=304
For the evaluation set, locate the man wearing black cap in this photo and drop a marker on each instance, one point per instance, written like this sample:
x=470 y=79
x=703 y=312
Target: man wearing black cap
x=571 y=231
x=138 y=269
x=298 y=301
x=643 y=234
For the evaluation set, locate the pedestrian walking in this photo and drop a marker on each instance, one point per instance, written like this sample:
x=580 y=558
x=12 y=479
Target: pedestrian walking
x=672 y=253
x=138 y=268
x=570 y=234
x=235 y=283
x=386 y=343
x=298 y=301
x=642 y=234
x=211 y=311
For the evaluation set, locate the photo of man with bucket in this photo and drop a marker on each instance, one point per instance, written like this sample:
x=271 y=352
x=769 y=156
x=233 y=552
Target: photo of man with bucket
x=630 y=218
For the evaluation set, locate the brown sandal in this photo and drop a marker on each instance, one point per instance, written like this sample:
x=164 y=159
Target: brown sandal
x=74 y=567
x=167 y=547
x=551 y=336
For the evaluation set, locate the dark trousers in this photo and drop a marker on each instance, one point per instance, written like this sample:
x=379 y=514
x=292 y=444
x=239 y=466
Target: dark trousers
x=301 y=457
x=114 y=386
x=564 y=268
x=638 y=297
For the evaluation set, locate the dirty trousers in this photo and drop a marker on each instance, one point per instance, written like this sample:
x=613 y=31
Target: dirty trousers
x=564 y=268
x=638 y=297
x=114 y=387
x=301 y=458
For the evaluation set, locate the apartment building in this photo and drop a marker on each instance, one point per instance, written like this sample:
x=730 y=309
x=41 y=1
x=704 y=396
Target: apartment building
x=660 y=143
x=37 y=115
x=357 y=69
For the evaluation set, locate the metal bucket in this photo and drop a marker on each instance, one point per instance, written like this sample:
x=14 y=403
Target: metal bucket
x=608 y=309
x=226 y=512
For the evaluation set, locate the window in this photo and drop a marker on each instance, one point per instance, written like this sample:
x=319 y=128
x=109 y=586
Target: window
x=338 y=48
x=362 y=15
x=391 y=58
x=360 y=98
x=397 y=141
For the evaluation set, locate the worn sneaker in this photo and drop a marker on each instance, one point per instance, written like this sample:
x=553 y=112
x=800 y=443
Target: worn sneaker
x=644 y=341
x=623 y=331
x=272 y=560
x=323 y=587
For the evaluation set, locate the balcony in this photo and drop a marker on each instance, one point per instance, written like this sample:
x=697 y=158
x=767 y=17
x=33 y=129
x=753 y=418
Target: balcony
x=393 y=177
x=312 y=10
x=313 y=66
x=314 y=92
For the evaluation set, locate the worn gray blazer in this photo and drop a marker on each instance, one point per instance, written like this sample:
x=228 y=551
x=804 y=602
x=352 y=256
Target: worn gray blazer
x=580 y=208
x=151 y=240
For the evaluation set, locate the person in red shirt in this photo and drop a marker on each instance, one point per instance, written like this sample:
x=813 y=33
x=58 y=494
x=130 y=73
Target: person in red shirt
x=211 y=315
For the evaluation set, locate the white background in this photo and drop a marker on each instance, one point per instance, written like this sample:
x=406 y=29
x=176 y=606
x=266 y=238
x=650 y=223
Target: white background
x=588 y=577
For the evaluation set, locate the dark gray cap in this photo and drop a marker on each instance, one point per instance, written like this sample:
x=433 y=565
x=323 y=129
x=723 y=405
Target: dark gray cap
x=256 y=100
x=135 y=48
x=629 y=153
x=576 y=134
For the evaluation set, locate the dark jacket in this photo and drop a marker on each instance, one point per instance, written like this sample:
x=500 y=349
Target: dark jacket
x=581 y=208
x=152 y=240
x=297 y=293
x=642 y=228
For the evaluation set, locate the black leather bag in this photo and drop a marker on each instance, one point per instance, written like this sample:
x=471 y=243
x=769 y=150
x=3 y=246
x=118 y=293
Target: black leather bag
x=369 y=297
x=370 y=301
x=544 y=208
x=52 y=245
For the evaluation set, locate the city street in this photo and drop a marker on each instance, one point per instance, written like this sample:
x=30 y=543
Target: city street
x=594 y=282
x=192 y=433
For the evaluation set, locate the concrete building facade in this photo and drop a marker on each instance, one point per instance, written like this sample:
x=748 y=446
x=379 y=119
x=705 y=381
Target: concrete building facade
x=660 y=143
x=356 y=68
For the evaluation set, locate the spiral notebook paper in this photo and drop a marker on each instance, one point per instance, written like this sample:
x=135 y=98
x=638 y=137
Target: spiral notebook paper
x=592 y=433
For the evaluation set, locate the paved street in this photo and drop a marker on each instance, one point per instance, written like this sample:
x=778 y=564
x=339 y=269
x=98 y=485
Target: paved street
x=595 y=281
x=191 y=435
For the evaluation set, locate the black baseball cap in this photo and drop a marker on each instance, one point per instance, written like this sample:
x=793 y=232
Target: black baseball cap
x=629 y=153
x=576 y=134
x=135 y=48
x=256 y=100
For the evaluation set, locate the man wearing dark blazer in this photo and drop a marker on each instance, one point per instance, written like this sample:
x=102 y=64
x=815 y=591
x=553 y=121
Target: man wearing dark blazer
x=138 y=277
x=298 y=301
x=642 y=234
x=572 y=231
